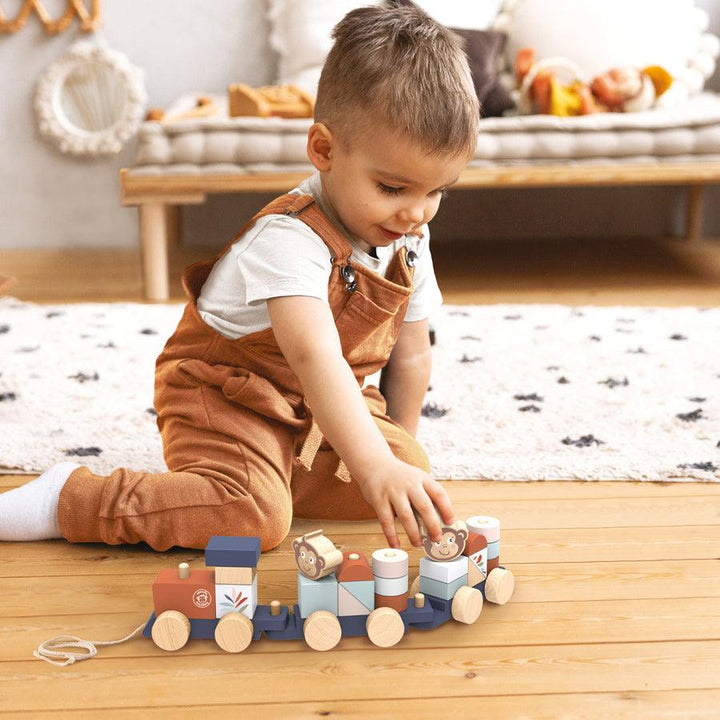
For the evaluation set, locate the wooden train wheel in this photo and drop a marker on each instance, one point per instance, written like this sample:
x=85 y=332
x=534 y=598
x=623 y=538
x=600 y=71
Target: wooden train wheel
x=499 y=586
x=467 y=605
x=171 y=630
x=234 y=632
x=322 y=630
x=385 y=627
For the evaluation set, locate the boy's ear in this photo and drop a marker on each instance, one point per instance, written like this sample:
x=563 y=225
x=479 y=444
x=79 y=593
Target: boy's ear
x=320 y=146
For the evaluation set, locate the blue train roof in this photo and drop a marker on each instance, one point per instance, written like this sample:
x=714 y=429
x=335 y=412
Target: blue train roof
x=232 y=551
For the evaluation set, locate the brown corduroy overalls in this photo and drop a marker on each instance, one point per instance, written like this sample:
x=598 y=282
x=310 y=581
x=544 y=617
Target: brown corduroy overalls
x=239 y=440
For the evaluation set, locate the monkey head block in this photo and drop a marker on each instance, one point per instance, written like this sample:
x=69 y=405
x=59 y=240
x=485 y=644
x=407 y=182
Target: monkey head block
x=450 y=546
x=316 y=555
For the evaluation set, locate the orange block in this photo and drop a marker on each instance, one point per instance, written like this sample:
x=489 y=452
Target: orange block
x=493 y=563
x=355 y=566
x=193 y=596
x=475 y=543
x=396 y=602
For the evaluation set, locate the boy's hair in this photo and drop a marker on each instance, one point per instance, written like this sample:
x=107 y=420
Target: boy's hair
x=399 y=67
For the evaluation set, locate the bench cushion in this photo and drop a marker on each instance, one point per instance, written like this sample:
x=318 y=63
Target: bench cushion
x=221 y=144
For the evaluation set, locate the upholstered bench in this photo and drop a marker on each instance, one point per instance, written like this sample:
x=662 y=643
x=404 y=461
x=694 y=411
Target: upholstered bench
x=182 y=162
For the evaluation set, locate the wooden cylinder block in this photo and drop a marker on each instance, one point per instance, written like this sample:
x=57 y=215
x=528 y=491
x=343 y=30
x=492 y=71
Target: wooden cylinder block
x=485 y=525
x=396 y=602
x=171 y=630
x=385 y=627
x=499 y=586
x=390 y=563
x=322 y=630
x=419 y=600
x=275 y=607
x=467 y=605
x=234 y=632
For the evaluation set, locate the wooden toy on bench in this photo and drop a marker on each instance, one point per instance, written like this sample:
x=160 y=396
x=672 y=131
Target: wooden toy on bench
x=287 y=101
x=339 y=594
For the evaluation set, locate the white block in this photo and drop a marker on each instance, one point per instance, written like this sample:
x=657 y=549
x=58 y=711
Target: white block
x=444 y=572
x=391 y=587
x=485 y=525
x=236 y=598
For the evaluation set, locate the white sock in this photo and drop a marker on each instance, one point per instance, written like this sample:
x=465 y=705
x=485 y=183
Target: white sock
x=29 y=512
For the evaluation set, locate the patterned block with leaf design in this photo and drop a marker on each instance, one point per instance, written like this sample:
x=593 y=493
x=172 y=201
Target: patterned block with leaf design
x=236 y=598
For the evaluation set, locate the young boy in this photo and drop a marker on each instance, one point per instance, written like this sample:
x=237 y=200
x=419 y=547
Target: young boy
x=259 y=390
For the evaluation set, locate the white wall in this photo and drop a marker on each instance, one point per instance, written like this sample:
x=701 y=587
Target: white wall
x=52 y=200
x=48 y=199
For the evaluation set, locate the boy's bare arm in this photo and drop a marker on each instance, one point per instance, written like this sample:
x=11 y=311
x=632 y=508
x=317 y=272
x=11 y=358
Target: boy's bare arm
x=305 y=331
x=404 y=380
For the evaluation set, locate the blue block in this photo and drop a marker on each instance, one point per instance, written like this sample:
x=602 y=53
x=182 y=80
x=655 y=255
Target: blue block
x=203 y=628
x=353 y=625
x=493 y=549
x=264 y=621
x=293 y=630
x=232 y=551
x=319 y=594
x=442 y=612
x=438 y=589
x=413 y=615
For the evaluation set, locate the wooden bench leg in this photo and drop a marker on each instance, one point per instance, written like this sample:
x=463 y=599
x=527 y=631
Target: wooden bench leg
x=154 y=250
x=694 y=217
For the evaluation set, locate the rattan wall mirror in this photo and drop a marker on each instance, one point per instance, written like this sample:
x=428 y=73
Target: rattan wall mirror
x=91 y=100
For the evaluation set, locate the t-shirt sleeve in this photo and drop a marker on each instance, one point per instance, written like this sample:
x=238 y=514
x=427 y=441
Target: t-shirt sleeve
x=426 y=297
x=284 y=258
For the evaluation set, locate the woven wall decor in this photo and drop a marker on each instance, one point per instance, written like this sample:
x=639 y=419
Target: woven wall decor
x=89 y=19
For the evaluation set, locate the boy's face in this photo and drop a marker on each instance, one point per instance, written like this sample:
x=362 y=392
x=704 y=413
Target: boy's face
x=386 y=187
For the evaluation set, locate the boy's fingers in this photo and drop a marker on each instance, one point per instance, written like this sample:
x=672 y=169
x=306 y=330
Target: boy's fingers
x=387 y=523
x=441 y=499
x=429 y=517
x=407 y=518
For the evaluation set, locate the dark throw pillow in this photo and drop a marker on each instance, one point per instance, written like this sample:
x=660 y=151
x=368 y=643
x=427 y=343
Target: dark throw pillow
x=484 y=49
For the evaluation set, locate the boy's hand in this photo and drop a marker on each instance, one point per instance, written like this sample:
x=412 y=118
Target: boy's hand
x=399 y=489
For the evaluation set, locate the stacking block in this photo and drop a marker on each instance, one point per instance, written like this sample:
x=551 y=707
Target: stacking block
x=235 y=575
x=396 y=602
x=391 y=586
x=485 y=525
x=493 y=549
x=476 y=573
x=355 y=567
x=193 y=596
x=446 y=591
x=476 y=550
x=450 y=546
x=236 y=598
x=232 y=551
x=316 y=555
x=492 y=563
x=445 y=572
x=356 y=597
x=319 y=594
x=390 y=563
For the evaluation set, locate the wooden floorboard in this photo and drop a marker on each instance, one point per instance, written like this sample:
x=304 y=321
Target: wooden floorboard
x=617 y=607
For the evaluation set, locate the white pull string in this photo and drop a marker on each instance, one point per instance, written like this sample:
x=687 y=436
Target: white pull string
x=58 y=647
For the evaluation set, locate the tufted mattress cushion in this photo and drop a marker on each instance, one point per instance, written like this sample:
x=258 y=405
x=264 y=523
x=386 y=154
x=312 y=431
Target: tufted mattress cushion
x=221 y=144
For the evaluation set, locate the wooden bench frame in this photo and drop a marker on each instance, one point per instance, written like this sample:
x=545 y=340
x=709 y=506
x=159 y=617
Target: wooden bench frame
x=158 y=196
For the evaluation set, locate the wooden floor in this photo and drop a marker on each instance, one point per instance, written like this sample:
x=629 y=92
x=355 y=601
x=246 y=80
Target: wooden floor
x=617 y=606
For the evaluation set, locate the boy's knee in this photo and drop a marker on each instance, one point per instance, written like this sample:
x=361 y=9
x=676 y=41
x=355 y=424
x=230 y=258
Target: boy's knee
x=271 y=527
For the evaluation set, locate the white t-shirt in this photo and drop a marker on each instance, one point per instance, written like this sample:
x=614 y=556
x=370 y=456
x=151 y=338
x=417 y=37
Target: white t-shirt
x=280 y=256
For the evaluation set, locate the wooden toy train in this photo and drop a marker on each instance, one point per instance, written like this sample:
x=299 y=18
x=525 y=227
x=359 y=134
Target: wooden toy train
x=339 y=593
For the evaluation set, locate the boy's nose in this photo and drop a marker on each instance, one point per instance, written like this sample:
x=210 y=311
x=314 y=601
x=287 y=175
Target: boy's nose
x=413 y=213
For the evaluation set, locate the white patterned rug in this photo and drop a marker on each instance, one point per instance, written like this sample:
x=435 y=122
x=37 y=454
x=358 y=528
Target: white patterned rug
x=519 y=392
